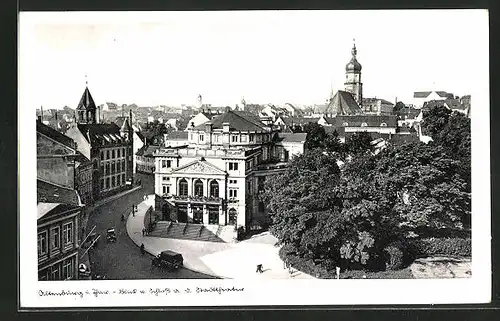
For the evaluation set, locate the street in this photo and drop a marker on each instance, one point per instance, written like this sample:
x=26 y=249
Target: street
x=123 y=259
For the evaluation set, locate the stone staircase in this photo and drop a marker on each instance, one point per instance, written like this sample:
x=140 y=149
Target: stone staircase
x=195 y=232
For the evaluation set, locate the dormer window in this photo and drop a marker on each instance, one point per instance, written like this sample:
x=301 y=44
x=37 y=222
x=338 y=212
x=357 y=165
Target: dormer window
x=383 y=125
x=364 y=124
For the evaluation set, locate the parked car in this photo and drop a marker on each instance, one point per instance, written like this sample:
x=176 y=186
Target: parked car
x=168 y=259
x=111 y=235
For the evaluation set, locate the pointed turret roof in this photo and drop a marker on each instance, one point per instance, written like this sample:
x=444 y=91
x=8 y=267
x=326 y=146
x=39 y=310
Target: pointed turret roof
x=343 y=104
x=125 y=126
x=86 y=102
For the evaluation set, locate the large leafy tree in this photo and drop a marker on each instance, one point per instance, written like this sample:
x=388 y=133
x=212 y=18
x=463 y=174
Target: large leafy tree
x=315 y=137
x=359 y=142
x=305 y=188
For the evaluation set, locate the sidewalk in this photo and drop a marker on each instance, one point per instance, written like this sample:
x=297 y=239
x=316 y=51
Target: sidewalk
x=225 y=260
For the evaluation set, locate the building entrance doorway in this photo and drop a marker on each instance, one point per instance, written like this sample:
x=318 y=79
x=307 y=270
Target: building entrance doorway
x=182 y=216
x=213 y=215
x=197 y=214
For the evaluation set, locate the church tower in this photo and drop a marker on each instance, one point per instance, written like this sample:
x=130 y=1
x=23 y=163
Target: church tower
x=353 y=82
x=86 y=110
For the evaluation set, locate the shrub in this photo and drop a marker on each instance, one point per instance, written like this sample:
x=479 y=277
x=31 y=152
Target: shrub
x=441 y=246
x=394 y=256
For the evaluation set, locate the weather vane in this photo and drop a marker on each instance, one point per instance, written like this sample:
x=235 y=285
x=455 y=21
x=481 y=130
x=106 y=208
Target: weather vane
x=86 y=81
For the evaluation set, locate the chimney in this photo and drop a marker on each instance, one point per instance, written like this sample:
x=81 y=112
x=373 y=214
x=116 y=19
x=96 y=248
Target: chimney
x=56 y=114
x=208 y=128
x=130 y=118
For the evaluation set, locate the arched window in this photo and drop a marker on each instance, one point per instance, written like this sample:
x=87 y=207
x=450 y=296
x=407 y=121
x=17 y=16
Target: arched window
x=364 y=124
x=232 y=216
x=214 y=188
x=198 y=188
x=383 y=125
x=183 y=187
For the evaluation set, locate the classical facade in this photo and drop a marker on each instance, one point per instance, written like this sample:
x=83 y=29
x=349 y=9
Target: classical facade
x=107 y=146
x=216 y=178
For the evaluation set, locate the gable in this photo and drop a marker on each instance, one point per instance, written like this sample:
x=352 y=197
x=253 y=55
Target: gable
x=199 y=167
x=49 y=146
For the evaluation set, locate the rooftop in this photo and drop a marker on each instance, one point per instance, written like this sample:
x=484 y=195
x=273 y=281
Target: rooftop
x=238 y=121
x=51 y=193
x=54 y=134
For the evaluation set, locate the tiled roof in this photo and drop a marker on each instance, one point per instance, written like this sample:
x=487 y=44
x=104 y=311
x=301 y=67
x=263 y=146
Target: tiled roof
x=342 y=103
x=97 y=133
x=421 y=94
x=290 y=121
x=50 y=193
x=86 y=102
x=237 y=121
x=408 y=112
x=293 y=137
x=54 y=134
x=433 y=103
x=177 y=135
x=81 y=159
x=444 y=94
x=370 y=120
x=147 y=150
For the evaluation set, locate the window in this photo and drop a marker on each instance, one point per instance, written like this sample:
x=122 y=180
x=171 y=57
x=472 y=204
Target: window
x=234 y=139
x=107 y=154
x=107 y=169
x=123 y=152
x=166 y=178
x=123 y=165
x=232 y=181
x=118 y=167
x=164 y=189
x=68 y=269
x=55 y=243
x=169 y=163
x=214 y=188
x=364 y=124
x=102 y=168
x=198 y=188
x=118 y=180
x=233 y=166
x=251 y=137
x=68 y=233
x=163 y=163
x=123 y=178
x=113 y=153
x=183 y=187
x=55 y=274
x=202 y=138
x=113 y=181
x=107 y=182
x=244 y=138
x=113 y=168
x=42 y=244
x=102 y=183
x=345 y=124
x=118 y=153
x=216 y=138
x=102 y=154
x=233 y=193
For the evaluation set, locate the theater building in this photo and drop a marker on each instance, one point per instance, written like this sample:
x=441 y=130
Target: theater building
x=216 y=178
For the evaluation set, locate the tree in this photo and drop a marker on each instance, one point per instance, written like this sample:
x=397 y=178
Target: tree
x=435 y=120
x=359 y=142
x=315 y=137
x=399 y=106
x=303 y=189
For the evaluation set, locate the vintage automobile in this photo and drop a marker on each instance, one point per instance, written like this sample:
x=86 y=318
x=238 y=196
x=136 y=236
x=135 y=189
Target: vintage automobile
x=168 y=259
x=111 y=235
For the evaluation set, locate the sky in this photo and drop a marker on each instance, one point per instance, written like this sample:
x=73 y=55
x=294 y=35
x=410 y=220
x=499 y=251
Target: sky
x=274 y=57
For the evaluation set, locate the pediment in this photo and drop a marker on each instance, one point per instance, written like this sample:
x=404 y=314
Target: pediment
x=199 y=167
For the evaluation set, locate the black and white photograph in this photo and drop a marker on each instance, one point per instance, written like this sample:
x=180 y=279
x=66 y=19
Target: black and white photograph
x=235 y=157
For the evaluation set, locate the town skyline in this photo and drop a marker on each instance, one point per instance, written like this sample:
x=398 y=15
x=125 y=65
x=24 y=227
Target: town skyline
x=288 y=57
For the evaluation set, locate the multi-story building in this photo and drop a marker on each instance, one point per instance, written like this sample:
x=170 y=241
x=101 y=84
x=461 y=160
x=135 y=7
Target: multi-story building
x=58 y=212
x=83 y=179
x=217 y=177
x=107 y=146
x=145 y=159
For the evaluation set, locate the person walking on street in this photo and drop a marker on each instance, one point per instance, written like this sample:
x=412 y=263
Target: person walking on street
x=123 y=217
x=142 y=249
x=143 y=232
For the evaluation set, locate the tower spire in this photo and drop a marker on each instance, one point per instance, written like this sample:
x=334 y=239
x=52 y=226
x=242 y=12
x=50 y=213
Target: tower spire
x=86 y=81
x=354 y=51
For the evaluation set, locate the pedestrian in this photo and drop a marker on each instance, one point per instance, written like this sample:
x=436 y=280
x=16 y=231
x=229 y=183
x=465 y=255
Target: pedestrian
x=123 y=217
x=142 y=249
x=143 y=232
x=259 y=268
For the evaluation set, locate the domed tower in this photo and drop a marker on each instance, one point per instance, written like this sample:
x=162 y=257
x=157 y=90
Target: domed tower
x=353 y=77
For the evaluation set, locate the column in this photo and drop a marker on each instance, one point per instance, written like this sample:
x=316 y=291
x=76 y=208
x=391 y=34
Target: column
x=222 y=217
x=205 y=214
x=190 y=186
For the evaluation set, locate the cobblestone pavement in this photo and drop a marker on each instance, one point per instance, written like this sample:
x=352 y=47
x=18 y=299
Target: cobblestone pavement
x=123 y=260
